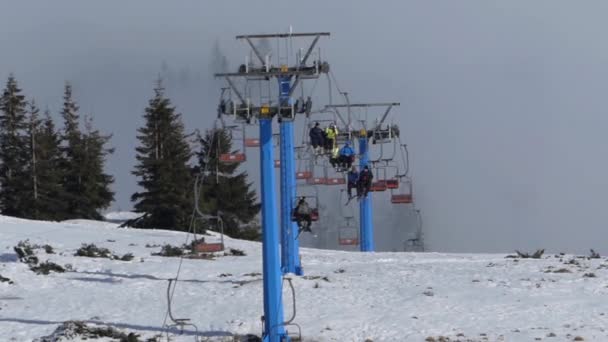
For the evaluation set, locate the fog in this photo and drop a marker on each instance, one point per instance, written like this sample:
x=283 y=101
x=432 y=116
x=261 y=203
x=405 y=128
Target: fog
x=502 y=103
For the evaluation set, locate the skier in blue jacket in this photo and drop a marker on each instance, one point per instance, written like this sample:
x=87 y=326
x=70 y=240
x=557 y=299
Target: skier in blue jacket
x=347 y=156
x=353 y=177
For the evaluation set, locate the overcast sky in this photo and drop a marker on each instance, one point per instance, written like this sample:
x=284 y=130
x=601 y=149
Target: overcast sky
x=503 y=103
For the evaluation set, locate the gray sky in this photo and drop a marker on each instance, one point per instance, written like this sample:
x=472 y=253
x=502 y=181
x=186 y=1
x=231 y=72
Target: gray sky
x=502 y=102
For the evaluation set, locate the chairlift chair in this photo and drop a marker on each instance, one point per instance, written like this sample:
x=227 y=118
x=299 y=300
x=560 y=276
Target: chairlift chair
x=303 y=175
x=314 y=215
x=404 y=197
x=316 y=179
x=348 y=235
x=380 y=183
x=252 y=142
x=334 y=180
x=233 y=157
x=392 y=183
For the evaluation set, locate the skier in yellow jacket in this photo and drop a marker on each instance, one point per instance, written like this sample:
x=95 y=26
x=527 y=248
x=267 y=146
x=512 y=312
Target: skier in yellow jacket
x=331 y=133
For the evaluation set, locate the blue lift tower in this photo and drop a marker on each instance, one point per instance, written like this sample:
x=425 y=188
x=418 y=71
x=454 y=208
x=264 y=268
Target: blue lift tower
x=377 y=134
x=285 y=109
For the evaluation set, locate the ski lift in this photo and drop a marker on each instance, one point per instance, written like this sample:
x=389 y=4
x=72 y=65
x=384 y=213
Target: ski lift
x=316 y=179
x=348 y=235
x=335 y=180
x=380 y=183
x=252 y=142
x=303 y=172
x=405 y=197
x=385 y=135
x=233 y=157
x=249 y=142
x=392 y=183
x=313 y=202
x=303 y=175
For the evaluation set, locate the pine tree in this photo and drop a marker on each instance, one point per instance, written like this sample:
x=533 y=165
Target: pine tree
x=95 y=182
x=224 y=193
x=85 y=186
x=13 y=149
x=72 y=156
x=162 y=167
x=219 y=62
x=47 y=203
x=32 y=181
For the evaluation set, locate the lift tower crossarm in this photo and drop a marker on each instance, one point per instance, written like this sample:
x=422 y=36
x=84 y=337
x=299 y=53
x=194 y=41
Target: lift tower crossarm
x=303 y=63
x=236 y=91
x=301 y=72
x=379 y=104
x=367 y=105
x=255 y=50
x=282 y=35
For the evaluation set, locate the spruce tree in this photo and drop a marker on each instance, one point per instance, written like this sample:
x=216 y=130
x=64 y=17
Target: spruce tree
x=162 y=167
x=32 y=181
x=95 y=182
x=224 y=192
x=85 y=186
x=72 y=153
x=47 y=201
x=13 y=149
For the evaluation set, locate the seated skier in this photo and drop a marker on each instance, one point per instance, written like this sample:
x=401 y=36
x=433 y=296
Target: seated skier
x=302 y=214
x=334 y=157
x=347 y=156
x=364 y=183
x=353 y=177
x=317 y=138
x=330 y=137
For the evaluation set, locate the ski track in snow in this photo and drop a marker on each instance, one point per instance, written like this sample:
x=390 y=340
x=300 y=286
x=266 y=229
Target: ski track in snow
x=378 y=296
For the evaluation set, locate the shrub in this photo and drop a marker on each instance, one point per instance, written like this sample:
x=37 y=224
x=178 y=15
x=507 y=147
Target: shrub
x=93 y=251
x=46 y=268
x=170 y=251
x=237 y=252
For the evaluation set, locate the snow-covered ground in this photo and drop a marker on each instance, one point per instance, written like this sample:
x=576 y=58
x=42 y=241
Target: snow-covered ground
x=345 y=296
x=120 y=216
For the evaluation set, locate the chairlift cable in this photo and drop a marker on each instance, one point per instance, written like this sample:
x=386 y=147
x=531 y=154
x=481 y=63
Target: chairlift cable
x=191 y=229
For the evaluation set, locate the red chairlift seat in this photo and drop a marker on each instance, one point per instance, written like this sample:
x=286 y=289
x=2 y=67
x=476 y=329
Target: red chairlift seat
x=335 y=181
x=392 y=184
x=303 y=175
x=252 y=142
x=314 y=215
x=349 y=242
x=316 y=181
x=402 y=199
x=378 y=186
x=348 y=236
x=233 y=157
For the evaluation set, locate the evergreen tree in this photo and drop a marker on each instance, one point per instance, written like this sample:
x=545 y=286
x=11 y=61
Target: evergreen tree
x=13 y=149
x=72 y=156
x=95 y=182
x=47 y=175
x=224 y=193
x=32 y=181
x=162 y=167
x=219 y=62
x=85 y=187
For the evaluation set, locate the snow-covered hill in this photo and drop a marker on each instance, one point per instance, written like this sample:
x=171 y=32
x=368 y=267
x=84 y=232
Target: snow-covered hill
x=345 y=296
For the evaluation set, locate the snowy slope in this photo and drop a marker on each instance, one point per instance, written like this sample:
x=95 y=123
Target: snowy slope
x=380 y=296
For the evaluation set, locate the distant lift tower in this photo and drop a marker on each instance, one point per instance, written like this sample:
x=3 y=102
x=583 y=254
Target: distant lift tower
x=366 y=218
x=288 y=76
